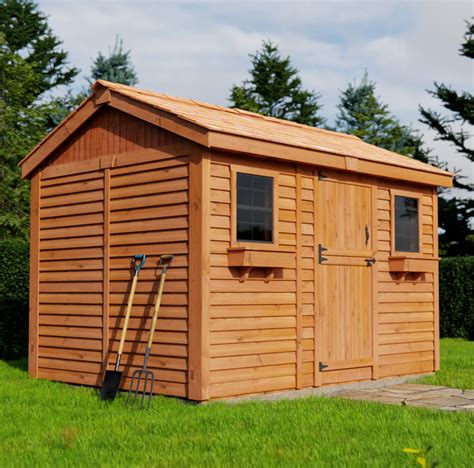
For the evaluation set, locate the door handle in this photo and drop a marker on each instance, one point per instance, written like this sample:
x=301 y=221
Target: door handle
x=367 y=234
x=370 y=261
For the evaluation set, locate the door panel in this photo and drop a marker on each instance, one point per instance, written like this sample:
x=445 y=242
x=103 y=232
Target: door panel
x=345 y=212
x=345 y=276
x=346 y=325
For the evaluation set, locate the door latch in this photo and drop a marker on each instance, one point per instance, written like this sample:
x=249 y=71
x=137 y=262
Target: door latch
x=370 y=261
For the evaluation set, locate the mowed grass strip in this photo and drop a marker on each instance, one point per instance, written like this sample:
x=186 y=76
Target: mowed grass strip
x=457 y=365
x=52 y=424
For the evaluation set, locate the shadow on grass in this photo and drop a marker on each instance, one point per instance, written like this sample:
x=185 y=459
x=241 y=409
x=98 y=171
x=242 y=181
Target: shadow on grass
x=21 y=364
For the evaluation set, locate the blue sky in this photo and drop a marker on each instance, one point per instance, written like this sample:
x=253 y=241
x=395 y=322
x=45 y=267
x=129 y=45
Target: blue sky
x=198 y=50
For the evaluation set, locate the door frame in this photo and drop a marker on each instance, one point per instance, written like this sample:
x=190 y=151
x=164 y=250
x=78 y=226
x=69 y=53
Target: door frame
x=354 y=179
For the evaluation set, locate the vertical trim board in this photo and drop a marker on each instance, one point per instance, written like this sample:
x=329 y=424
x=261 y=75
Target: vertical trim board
x=299 y=285
x=34 y=276
x=199 y=274
x=106 y=279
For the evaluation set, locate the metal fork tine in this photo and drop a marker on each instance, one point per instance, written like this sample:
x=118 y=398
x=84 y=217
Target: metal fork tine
x=138 y=387
x=144 y=388
x=151 y=389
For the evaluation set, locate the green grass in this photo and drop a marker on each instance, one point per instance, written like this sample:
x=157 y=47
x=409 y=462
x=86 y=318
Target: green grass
x=45 y=423
x=457 y=365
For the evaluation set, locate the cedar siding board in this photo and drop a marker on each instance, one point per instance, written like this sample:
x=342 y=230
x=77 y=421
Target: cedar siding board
x=126 y=180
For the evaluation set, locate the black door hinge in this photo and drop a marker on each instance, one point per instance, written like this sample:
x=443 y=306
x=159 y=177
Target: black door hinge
x=321 y=175
x=322 y=366
x=321 y=249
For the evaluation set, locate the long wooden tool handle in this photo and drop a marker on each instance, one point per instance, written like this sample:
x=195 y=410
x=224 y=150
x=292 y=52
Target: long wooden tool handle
x=166 y=262
x=127 y=315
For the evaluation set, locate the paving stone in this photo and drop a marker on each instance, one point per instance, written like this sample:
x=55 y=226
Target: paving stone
x=446 y=401
x=421 y=404
x=419 y=395
x=399 y=391
x=469 y=407
x=434 y=394
x=417 y=387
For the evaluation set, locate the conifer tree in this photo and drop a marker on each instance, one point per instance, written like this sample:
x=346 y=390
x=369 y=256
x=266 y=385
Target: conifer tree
x=31 y=64
x=461 y=108
x=362 y=113
x=275 y=89
x=116 y=67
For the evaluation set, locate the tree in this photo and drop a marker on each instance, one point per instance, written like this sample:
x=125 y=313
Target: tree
x=275 y=89
x=361 y=113
x=461 y=107
x=117 y=67
x=31 y=64
x=26 y=32
x=457 y=238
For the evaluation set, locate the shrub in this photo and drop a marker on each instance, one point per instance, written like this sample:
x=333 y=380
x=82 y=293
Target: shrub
x=14 y=287
x=456 y=290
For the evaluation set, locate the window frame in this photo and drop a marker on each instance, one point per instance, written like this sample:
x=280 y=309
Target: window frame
x=407 y=194
x=233 y=207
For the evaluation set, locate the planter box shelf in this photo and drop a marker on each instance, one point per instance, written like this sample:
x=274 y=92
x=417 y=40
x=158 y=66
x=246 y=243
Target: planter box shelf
x=249 y=258
x=416 y=267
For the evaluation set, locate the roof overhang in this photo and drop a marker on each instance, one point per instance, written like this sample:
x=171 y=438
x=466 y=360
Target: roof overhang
x=219 y=140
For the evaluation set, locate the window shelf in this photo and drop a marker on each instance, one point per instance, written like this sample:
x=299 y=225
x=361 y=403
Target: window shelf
x=415 y=267
x=249 y=258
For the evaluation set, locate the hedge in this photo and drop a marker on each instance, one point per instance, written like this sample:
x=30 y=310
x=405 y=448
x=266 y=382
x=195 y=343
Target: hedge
x=14 y=280
x=456 y=298
x=456 y=290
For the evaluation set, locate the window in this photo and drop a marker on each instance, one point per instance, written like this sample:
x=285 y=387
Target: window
x=406 y=224
x=254 y=208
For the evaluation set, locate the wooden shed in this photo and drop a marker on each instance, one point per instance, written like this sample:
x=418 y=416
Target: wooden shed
x=303 y=257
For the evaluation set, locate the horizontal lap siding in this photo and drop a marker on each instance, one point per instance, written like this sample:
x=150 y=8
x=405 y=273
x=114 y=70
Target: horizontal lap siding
x=306 y=215
x=253 y=324
x=71 y=278
x=406 y=313
x=148 y=214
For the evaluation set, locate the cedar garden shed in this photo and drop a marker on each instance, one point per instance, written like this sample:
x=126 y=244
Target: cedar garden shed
x=303 y=257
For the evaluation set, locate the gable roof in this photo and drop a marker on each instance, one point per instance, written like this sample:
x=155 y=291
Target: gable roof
x=238 y=130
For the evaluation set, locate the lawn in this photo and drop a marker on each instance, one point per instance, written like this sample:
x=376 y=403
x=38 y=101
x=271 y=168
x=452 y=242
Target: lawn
x=457 y=365
x=45 y=423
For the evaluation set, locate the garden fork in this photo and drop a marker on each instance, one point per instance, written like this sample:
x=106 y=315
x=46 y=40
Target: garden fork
x=145 y=374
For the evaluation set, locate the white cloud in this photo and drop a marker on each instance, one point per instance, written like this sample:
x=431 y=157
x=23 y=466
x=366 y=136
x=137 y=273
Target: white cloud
x=200 y=49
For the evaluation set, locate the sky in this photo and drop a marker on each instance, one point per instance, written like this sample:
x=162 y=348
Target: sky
x=200 y=49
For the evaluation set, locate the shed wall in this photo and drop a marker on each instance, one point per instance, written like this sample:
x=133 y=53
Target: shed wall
x=408 y=336
x=96 y=212
x=262 y=333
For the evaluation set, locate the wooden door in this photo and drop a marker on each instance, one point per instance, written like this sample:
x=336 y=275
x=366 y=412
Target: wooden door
x=346 y=256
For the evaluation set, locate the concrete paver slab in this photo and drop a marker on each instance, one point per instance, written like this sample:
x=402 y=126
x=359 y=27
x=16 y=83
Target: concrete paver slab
x=426 y=396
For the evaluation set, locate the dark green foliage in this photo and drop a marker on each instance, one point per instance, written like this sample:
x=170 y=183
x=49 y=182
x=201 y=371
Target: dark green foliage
x=454 y=215
x=31 y=63
x=456 y=289
x=26 y=31
x=461 y=108
x=361 y=113
x=117 y=67
x=275 y=89
x=14 y=287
